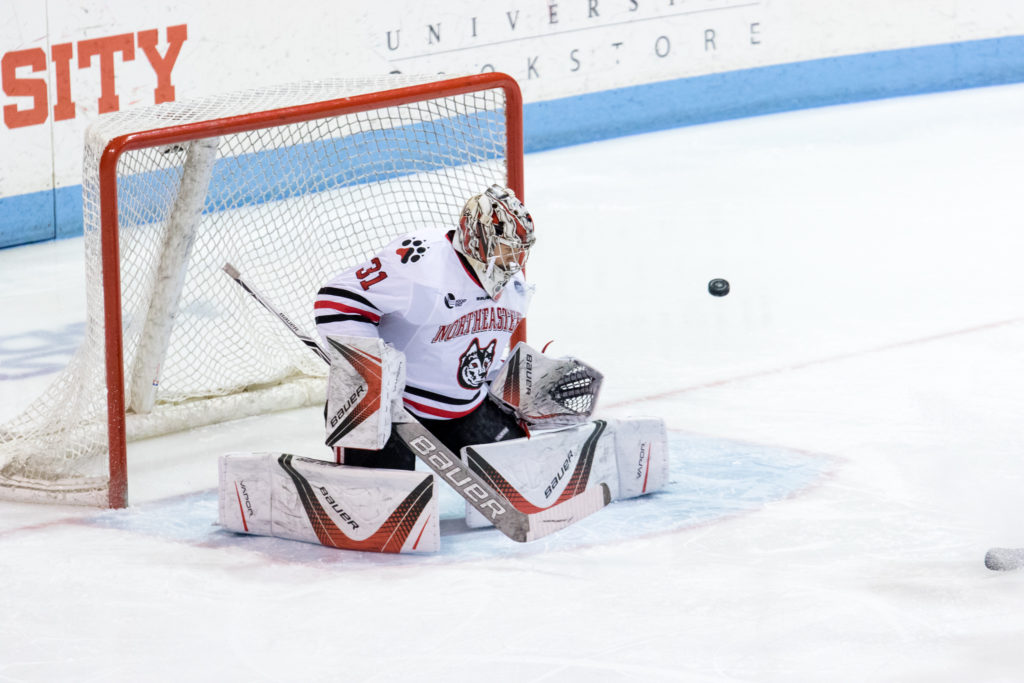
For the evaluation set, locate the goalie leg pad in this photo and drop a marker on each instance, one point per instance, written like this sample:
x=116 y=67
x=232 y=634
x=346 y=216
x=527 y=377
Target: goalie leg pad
x=641 y=452
x=353 y=508
x=630 y=456
x=546 y=469
x=364 y=389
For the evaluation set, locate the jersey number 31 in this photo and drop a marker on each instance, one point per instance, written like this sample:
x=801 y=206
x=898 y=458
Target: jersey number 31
x=370 y=275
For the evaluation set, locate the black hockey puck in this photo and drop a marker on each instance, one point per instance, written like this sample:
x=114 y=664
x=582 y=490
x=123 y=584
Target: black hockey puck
x=718 y=287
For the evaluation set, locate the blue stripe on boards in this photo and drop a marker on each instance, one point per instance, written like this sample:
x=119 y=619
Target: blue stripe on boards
x=773 y=89
x=596 y=116
x=26 y=218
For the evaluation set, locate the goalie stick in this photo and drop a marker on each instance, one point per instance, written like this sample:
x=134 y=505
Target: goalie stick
x=517 y=525
x=1004 y=559
x=306 y=339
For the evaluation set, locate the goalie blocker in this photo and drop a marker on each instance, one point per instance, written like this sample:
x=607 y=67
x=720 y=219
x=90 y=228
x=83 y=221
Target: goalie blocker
x=364 y=392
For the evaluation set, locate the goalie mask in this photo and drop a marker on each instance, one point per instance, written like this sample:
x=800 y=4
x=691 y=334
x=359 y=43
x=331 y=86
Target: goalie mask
x=495 y=233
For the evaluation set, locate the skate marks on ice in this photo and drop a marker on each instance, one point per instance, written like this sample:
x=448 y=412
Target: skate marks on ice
x=711 y=479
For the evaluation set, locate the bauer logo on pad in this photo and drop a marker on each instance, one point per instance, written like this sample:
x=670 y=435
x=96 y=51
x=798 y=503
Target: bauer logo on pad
x=301 y=499
x=366 y=376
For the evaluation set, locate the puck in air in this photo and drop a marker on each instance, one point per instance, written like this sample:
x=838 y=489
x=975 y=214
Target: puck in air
x=718 y=287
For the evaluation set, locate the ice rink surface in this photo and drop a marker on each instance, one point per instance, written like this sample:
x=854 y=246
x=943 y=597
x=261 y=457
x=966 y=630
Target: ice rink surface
x=846 y=433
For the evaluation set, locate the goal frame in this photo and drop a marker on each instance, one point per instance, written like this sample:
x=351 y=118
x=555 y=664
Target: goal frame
x=117 y=493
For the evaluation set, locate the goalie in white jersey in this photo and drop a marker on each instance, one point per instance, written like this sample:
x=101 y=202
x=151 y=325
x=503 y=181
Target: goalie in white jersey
x=450 y=301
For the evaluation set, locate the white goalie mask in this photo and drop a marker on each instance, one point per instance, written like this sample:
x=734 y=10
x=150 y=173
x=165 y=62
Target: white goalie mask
x=495 y=233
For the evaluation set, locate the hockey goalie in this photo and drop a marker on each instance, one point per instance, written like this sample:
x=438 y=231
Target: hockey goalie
x=417 y=334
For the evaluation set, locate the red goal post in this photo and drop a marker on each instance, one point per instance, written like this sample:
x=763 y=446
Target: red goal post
x=270 y=182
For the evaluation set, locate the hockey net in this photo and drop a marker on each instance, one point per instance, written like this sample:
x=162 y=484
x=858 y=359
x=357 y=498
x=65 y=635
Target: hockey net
x=291 y=185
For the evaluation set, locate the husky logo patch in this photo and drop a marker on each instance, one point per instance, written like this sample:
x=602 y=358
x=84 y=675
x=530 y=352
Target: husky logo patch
x=474 y=364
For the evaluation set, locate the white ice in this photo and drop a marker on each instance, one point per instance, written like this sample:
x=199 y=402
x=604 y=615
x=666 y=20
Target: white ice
x=846 y=433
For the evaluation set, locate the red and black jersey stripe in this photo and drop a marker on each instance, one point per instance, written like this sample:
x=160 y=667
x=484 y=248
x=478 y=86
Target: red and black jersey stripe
x=441 y=398
x=453 y=407
x=340 y=305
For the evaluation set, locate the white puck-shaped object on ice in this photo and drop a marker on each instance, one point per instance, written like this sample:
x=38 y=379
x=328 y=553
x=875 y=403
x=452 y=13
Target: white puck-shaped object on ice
x=1004 y=559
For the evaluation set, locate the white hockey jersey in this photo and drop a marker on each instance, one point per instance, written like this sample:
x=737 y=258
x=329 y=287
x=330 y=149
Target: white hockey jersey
x=419 y=295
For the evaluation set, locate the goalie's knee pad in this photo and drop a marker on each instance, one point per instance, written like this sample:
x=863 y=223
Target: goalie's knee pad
x=353 y=508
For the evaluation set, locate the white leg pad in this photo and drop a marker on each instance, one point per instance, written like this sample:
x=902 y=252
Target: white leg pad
x=641 y=452
x=353 y=508
x=630 y=456
x=550 y=467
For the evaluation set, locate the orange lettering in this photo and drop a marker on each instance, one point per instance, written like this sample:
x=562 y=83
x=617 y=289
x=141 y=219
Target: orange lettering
x=24 y=87
x=162 y=65
x=105 y=48
x=64 y=106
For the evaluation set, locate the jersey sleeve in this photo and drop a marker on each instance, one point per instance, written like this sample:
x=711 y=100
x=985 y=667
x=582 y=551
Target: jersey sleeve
x=354 y=301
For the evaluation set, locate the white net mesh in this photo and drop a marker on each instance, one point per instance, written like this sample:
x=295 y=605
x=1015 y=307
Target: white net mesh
x=289 y=205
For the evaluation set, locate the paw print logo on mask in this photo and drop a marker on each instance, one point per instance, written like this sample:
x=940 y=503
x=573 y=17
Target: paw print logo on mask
x=411 y=250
